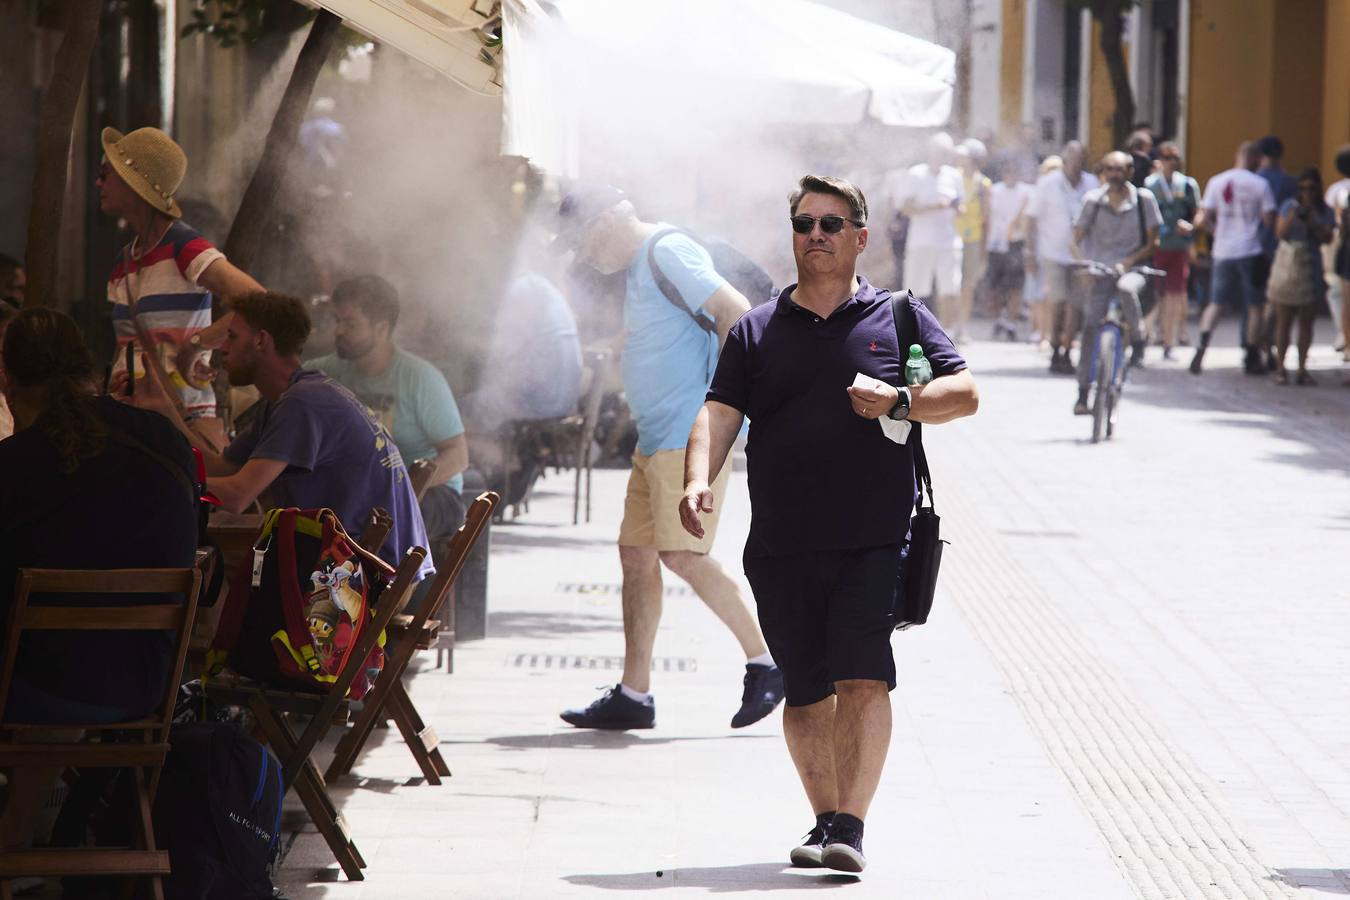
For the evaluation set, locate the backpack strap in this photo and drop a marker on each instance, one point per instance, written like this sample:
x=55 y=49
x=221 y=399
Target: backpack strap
x=292 y=601
x=1139 y=208
x=668 y=288
x=906 y=333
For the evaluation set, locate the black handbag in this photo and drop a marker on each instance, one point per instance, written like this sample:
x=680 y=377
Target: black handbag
x=921 y=556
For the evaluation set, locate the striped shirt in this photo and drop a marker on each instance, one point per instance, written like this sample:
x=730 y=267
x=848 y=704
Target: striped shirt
x=159 y=288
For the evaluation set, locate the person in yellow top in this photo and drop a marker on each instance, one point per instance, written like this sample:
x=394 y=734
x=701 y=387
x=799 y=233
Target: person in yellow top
x=970 y=223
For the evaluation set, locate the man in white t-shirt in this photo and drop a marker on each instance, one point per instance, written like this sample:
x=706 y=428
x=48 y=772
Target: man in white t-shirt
x=1235 y=205
x=1005 y=240
x=930 y=195
x=1049 y=252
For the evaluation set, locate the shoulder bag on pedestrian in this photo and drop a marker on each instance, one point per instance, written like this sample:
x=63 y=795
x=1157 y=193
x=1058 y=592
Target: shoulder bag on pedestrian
x=740 y=271
x=922 y=555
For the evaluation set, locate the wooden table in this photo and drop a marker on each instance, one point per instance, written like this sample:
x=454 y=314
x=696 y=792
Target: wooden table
x=234 y=534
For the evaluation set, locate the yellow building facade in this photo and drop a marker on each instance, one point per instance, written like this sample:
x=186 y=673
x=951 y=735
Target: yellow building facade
x=1207 y=73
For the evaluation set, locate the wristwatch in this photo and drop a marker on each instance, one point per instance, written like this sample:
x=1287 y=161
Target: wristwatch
x=901 y=408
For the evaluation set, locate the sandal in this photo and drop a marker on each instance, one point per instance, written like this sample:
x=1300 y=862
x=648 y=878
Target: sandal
x=1304 y=378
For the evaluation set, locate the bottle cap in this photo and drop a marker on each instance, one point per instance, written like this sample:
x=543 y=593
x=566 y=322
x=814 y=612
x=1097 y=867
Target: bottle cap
x=915 y=351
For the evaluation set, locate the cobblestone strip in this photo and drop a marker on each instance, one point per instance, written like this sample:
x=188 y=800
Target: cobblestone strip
x=1169 y=839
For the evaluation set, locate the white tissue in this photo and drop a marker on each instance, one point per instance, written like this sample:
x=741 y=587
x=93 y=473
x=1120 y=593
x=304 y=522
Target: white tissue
x=895 y=429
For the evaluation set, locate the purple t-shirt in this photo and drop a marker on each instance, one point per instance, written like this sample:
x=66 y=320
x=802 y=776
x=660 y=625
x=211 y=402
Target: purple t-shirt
x=337 y=455
x=820 y=476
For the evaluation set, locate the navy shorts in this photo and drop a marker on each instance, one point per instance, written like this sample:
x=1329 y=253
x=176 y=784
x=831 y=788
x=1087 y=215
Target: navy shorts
x=827 y=617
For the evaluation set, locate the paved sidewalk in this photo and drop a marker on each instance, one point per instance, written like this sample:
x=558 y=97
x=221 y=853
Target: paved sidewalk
x=1130 y=687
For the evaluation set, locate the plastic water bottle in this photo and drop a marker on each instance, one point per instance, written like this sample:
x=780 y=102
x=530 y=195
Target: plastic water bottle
x=917 y=368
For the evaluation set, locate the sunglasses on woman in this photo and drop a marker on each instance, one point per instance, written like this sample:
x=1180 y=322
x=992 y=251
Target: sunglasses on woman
x=828 y=224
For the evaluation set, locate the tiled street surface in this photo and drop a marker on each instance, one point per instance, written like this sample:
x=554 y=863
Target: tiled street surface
x=1133 y=684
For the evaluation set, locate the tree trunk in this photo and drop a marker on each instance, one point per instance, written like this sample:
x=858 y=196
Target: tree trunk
x=246 y=233
x=55 y=126
x=1113 y=53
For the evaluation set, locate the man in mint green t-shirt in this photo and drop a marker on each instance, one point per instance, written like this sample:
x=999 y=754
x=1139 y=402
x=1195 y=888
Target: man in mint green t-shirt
x=408 y=394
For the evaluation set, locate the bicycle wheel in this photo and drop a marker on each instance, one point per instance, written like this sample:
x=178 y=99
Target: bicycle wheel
x=1106 y=354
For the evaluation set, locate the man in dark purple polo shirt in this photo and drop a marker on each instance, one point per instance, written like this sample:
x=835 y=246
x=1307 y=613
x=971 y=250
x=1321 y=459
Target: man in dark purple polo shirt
x=831 y=496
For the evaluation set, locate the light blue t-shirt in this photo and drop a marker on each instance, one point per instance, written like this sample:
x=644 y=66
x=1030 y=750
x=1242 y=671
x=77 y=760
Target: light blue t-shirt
x=667 y=359
x=411 y=398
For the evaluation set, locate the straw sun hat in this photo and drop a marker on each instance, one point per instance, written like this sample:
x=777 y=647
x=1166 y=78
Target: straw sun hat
x=150 y=163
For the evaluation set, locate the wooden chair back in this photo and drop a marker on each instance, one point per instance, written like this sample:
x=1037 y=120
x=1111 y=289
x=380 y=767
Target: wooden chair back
x=420 y=473
x=457 y=552
x=144 y=742
x=388 y=697
x=173 y=617
x=386 y=606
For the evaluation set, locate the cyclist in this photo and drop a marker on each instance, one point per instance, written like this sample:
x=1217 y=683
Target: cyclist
x=1117 y=226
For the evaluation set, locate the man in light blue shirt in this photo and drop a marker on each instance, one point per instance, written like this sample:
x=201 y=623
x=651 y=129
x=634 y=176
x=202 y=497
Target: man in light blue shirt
x=677 y=311
x=406 y=393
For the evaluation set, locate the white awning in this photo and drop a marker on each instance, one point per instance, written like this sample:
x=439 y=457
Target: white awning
x=577 y=69
x=444 y=34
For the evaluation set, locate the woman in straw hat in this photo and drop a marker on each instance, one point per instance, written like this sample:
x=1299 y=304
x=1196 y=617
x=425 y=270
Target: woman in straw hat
x=162 y=282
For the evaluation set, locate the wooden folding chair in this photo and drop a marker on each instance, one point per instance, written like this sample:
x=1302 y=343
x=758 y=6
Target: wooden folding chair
x=270 y=706
x=419 y=476
x=389 y=698
x=142 y=743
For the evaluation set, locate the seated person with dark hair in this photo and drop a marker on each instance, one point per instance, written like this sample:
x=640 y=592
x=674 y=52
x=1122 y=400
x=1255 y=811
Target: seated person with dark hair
x=311 y=443
x=87 y=483
x=408 y=394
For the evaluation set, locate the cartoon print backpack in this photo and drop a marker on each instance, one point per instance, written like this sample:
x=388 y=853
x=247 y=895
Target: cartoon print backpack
x=292 y=619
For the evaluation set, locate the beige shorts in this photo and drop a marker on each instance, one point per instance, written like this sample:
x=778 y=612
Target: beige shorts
x=651 y=511
x=1061 y=283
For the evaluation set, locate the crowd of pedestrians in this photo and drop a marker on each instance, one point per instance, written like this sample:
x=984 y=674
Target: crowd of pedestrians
x=1006 y=232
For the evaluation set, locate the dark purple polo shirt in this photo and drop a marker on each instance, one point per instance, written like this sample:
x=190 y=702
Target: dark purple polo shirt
x=822 y=477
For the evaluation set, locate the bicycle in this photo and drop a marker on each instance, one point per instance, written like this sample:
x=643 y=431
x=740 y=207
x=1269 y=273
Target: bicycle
x=1106 y=375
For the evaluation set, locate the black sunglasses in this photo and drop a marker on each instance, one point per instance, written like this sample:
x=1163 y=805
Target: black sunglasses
x=828 y=224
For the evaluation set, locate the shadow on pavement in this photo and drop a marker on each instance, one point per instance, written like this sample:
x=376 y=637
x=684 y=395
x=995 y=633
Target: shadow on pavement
x=504 y=540
x=1328 y=881
x=549 y=625
x=718 y=879
x=592 y=739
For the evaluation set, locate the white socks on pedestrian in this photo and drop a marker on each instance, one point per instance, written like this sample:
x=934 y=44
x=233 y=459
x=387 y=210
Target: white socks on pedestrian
x=634 y=695
x=764 y=659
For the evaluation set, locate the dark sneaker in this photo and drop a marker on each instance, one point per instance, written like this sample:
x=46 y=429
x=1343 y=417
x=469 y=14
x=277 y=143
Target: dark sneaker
x=1197 y=360
x=763 y=691
x=614 y=712
x=807 y=856
x=1080 y=408
x=842 y=850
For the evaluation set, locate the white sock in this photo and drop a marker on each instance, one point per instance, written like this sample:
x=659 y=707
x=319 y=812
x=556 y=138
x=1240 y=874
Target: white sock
x=634 y=695
x=764 y=659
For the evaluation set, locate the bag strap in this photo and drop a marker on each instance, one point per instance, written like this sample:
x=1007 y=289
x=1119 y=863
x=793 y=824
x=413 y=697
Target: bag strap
x=668 y=288
x=1139 y=208
x=292 y=599
x=906 y=329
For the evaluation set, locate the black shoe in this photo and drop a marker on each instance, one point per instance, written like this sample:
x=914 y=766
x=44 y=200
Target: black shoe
x=1137 y=355
x=1080 y=408
x=1167 y=353
x=807 y=856
x=1054 y=363
x=1197 y=359
x=1252 y=363
x=843 y=849
x=1066 y=366
x=763 y=691
x=614 y=712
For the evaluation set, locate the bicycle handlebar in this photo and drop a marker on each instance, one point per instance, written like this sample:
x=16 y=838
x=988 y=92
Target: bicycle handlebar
x=1101 y=270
